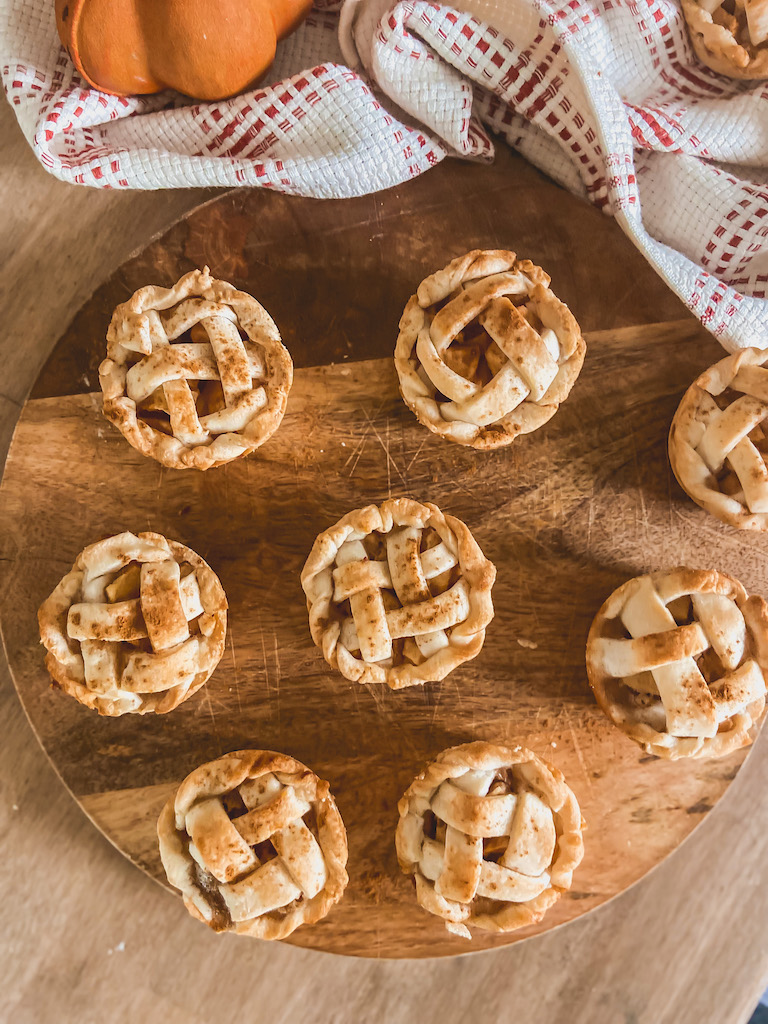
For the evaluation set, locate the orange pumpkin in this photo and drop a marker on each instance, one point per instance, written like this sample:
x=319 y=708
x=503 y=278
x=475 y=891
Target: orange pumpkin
x=208 y=49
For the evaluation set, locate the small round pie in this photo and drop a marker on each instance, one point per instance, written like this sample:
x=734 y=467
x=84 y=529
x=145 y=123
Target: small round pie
x=137 y=625
x=255 y=843
x=486 y=351
x=195 y=375
x=492 y=836
x=398 y=594
x=677 y=661
x=718 y=441
x=730 y=36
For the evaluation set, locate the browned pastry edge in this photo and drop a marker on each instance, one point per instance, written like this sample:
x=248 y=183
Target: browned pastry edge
x=551 y=786
x=742 y=728
x=223 y=775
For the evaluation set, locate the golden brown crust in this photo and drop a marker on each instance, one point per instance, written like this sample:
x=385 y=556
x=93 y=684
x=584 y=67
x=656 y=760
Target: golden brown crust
x=712 y=654
x=719 y=437
x=507 y=837
x=725 y=45
x=149 y=365
x=486 y=351
x=258 y=891
x=453 y=604
x=102 y=666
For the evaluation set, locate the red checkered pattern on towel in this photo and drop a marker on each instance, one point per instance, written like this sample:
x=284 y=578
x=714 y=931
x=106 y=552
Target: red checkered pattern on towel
x=605 y=96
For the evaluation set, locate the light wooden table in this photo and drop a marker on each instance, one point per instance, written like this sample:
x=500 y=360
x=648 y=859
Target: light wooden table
x=87 y=938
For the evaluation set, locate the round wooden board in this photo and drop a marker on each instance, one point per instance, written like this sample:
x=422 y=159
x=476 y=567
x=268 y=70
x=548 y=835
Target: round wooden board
x=566 y=514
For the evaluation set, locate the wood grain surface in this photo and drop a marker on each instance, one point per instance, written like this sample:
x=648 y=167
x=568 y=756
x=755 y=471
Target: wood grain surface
x=566 y=514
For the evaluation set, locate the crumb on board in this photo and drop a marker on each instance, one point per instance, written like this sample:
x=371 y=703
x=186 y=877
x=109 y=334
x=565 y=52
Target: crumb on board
x=530 y=645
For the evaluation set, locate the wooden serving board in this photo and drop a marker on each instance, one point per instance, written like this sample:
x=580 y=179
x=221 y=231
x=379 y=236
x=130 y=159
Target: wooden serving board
x=566 y=514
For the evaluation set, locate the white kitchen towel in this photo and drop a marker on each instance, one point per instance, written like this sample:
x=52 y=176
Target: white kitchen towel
x=605 y=96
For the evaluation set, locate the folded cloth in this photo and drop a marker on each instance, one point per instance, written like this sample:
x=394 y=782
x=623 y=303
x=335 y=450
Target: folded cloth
x=604 y=96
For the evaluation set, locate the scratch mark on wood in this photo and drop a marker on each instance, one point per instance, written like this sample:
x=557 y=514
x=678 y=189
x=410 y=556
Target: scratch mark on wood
x=458 y=694
x=436 y=707
x=418 y=453
x=279 y=675
x=639 y=481
x=354 y=467
x=264 y=660
x=213 y=720
x=159 y=486
x=235 y=673
x=391 y=464
x=358 y=447
x=577 y=751
x=375 y=691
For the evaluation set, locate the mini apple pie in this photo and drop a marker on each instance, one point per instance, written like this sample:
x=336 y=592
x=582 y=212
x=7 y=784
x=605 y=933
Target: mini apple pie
x=492 y=836
x=718 y=441
x=137 y=625
x=255 y=843
x=486 y=351
x=398 y=594
x=730 y=36
x=677 y=661
x=195 y=375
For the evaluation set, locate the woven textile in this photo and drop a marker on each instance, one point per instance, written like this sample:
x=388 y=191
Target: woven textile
x=604 y=96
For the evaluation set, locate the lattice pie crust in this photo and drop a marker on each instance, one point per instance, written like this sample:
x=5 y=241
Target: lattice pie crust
x=486 y=351
x=491 y=835
x=677 y=661
x=137 y=625
x=718 y=441
x=398 y=593
x=730 y=36
x=195 y=375
x=255 y=843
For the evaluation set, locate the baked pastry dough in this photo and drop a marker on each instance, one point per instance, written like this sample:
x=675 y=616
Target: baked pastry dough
x=398 y=593
x=730 y=36
x=195 y=375
x=486 y=351
x=677 y=661
x=718 y=441
x=492 y=836
x=255 y=843
x=137 y=625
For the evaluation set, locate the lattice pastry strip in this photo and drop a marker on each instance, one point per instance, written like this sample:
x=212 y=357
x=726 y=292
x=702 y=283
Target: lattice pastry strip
x=255 y=843
x=677 y=661
x=730 y=36
x=138 y=625
x=195 y=375
x=409 y=606
x=161 y=381
x=491 y=835
x=485 y=350
x=718 y=440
